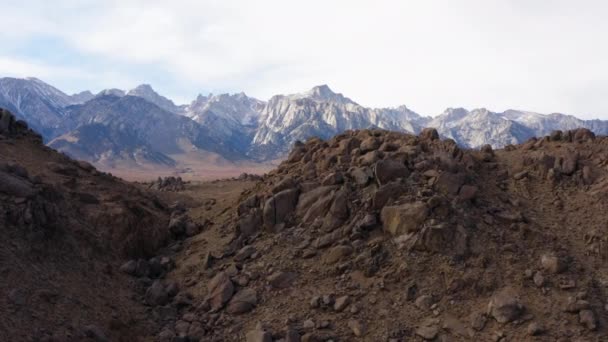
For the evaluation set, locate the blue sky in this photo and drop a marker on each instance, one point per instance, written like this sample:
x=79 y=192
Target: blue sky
x=544 y=56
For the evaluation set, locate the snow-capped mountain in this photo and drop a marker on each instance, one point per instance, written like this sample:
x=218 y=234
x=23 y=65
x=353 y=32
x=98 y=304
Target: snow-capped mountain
x=34 y=101
x=145 y=91
x=322 y=113
x=141 y=125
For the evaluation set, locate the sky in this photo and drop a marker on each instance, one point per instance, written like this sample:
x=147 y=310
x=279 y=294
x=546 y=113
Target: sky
x=537 y=55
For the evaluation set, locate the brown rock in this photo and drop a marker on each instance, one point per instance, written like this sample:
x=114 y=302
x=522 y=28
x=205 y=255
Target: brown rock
x=357 y=327
x=587 y=319
x=220 y=290
x=157 y=294
x=405 y=218
x=478 y=320
x=467 y=192
x=535 y=329
x=386 y=192
x=369 y=144
x=336 y=254
x=389 y=170
x=282 y=280
x=552 y=263
x=258 y=335
x=504 y=306
x=333 y=178
x=429 y=134
x=361 y=175
x=244 y=253
x=341 y=303
x=369 y=158
x=449 y=183
x=279 y=206
x=243 y=301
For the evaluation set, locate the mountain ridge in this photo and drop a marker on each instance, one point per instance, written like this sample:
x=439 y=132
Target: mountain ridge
x=239 y=127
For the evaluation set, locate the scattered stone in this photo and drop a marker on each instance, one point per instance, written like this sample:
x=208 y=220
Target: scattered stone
x=282 y=280
x=157 y=294
x=535 y=329
x=505 y=306
x=587 y=319
x=129 y=267
x=538 y=279
x=357 y=327
x=258 y=335
x=341 y=303
x=337 y=253
x=478 y=320
x=552 y=263
x=245 y=253
x=520 y=175
x=424 y=302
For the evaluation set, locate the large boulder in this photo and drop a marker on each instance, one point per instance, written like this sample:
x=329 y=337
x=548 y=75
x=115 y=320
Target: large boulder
x=387 y=192
x=243 y=301
x=389 y=170
x=279 y=206
x=250 y=223
x=220 y=290
x=157 y=294
x=405 y=218
x=15 y=186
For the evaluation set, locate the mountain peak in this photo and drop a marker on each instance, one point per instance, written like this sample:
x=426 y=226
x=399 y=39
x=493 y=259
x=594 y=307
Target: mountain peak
x=322 y=91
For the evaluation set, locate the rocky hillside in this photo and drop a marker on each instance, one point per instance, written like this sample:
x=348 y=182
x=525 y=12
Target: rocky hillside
x=382 y=236
x=65 y=228
x=370 y=235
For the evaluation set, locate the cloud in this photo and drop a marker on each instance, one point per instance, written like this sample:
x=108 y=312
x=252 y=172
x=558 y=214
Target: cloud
x=428 y=54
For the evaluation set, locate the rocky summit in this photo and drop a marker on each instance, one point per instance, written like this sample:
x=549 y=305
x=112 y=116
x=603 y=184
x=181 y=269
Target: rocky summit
x=370 y=235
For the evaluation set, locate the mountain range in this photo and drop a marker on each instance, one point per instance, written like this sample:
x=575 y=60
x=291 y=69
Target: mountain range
x=140 y=128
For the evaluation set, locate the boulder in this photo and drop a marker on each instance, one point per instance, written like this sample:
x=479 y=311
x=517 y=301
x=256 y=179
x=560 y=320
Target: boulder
x=369 y=158
x=282 y=280
x=307 y=199
x=244 y=253
x=249 y=224
x=336 y=254
x=389 y=170
x=429 y=134
x=220 y=290
x=505 y=306
x=552 y=263
x=467 y=192
x=386 y=192
x=258 y=335
x=449 y=183
x=157 y=294
x=284 y=184
x=279 y=206
x=405 y=218
x=243 y=301
x=361 y=175
x=369 y=144
x=358 y=327
x=14 y=186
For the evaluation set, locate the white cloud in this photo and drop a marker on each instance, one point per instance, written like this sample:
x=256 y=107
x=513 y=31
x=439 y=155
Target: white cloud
x=428 y=54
